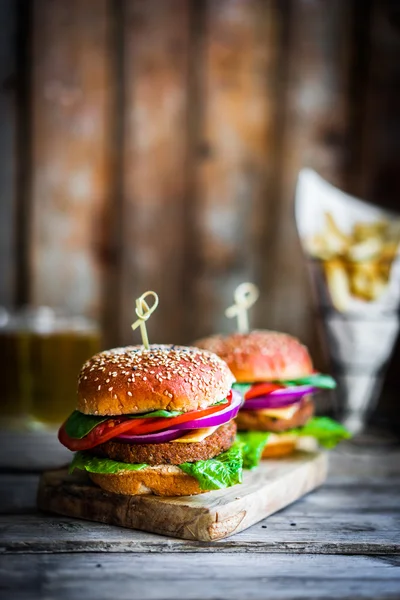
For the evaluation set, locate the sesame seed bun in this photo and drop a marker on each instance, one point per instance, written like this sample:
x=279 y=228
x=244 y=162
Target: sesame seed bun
x=135 y=380
x=260 y=355
x=162 y=480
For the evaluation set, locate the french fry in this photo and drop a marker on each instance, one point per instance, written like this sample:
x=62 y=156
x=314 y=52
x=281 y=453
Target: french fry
x=389 y=251
x=356 y=265
x=338 y=283
x=384 y=266
x=318 y=247
x=364 y=231
x=365 y=250
x=363 y=280
x=336 y=240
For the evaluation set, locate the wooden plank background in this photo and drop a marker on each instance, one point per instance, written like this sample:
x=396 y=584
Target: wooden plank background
x=7 y=151
x=70 y=103
x=156 y=144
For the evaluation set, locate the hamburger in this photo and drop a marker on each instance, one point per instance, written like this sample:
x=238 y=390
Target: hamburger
x=155 y=421
x=275 y=375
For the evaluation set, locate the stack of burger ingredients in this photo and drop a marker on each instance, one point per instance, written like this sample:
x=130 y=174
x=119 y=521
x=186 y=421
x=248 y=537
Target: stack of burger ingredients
x=275 y=375
x=156 y=420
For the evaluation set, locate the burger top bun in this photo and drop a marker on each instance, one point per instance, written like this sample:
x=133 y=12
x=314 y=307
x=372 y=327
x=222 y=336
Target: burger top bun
x=261 y=355
x=135 y=380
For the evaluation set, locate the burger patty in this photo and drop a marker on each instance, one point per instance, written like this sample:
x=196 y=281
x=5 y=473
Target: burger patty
x=254 y=420
x=170 y=453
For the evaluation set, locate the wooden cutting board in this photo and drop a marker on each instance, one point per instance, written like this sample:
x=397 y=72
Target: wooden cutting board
x=207 y=517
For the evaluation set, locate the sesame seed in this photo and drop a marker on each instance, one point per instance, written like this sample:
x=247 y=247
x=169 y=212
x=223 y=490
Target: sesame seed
x=110 y=389
x=129 y=393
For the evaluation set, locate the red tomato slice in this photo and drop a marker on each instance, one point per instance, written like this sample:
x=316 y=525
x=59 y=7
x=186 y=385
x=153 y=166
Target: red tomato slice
x=101 y=433
x=262 y=389
x=116 y=426
x=158 y=424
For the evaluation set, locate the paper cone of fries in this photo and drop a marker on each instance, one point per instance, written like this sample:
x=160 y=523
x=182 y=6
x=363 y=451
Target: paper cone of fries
x=352 y=250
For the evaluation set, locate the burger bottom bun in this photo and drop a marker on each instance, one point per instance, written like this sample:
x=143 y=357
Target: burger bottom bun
x=279 y=449
x=161 y=480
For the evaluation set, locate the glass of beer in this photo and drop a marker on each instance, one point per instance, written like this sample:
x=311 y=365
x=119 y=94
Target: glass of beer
x=41 y=353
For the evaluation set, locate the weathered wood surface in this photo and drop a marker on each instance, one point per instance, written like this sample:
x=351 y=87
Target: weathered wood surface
x=71 y=104
x=156 y=41
x=8 y=109
x=315 y=548
x=356 y=512
x=313 y=133
x=206 y=576
x=235 y=152
x=206 y=517
x=294 y=531
x=158 y=144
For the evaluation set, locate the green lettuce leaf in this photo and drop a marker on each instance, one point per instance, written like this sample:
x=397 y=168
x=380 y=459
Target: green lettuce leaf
x=242 y=388
x=222 y=471
x=93 y=464
x=326 y=431
x=167 y=414
x=253 y=444
x=78 y=425
x=318 y=380
x=219 y=472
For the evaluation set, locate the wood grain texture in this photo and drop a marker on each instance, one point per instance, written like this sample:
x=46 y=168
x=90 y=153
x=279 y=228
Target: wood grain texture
x=206 y=517
x=364 y=494
x=356 y=511
x=204 y=576
x=292 y=530
x=71 y=85
x=7 y=152
x=233 y=163
x=313 y=133
x=315 y=548
x=156 y=38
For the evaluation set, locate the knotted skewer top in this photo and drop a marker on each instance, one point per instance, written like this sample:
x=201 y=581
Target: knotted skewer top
x=245 y=296
x=143 y=311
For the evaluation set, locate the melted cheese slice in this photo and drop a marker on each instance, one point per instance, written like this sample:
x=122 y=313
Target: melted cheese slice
x=196 y=435
x=281 y=413
x=274 y=439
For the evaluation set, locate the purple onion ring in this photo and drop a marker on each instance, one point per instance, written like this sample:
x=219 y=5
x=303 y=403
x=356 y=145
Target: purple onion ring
x=279 y=398
x=225 y=415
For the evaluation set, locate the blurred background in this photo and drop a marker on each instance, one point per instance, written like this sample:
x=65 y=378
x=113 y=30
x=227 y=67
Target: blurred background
x=155 y=144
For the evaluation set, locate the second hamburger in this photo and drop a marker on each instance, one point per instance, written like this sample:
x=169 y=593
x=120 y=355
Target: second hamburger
x=275 y=374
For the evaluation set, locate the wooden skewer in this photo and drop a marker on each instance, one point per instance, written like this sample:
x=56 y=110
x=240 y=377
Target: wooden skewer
x=245 y=296
x=143 y=311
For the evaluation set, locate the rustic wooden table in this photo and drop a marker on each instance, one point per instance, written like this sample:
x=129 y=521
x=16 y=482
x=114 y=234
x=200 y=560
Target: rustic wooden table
x=340 y=541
